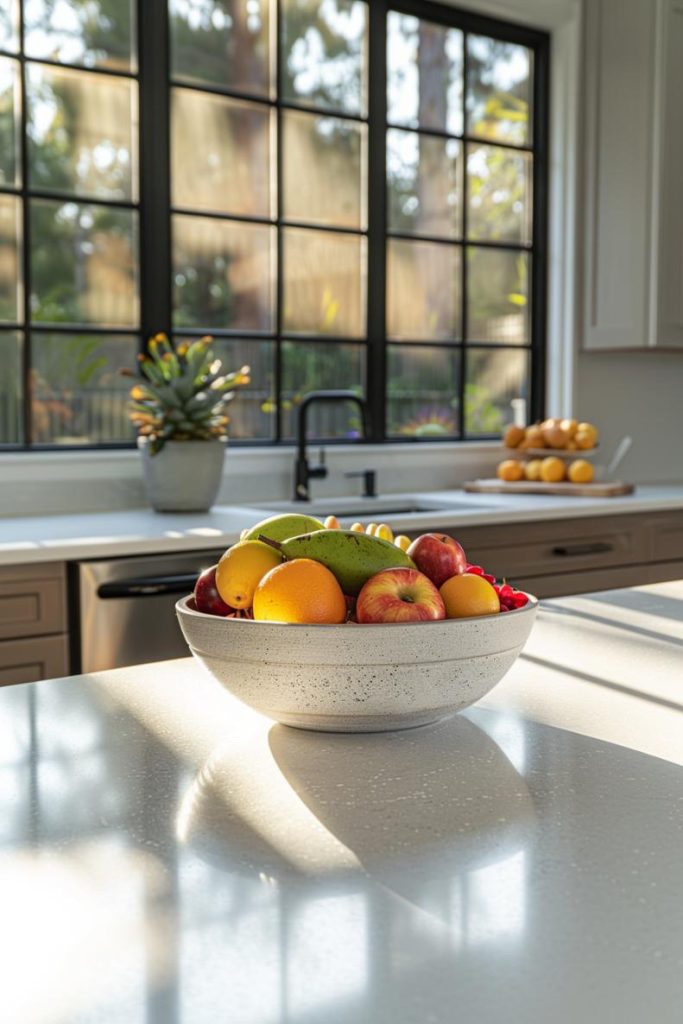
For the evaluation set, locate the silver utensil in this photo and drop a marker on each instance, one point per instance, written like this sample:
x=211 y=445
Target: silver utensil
x=621 y=450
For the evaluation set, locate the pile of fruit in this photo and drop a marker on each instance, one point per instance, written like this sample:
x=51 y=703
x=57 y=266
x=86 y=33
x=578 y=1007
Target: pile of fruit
x=294 y=568
x=554 y=435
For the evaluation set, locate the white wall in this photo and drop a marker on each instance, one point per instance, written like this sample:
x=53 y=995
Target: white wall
x=640 y=394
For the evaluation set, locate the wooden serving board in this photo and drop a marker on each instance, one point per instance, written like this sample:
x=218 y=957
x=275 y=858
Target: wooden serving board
x=611 y=489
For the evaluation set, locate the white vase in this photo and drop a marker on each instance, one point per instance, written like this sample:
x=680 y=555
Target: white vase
x=184 y=476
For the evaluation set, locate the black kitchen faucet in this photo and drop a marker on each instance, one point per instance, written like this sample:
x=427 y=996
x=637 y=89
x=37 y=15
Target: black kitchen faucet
x=303 y=471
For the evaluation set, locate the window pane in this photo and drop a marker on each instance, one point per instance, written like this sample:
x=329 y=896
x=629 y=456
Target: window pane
x=424 y=180
x=324 y=170
x=96 y=34
x=83 y=264
x=222 y=42
x=424 y=74
x=77 y=393
x=324 y=54
x=9 y=122
x=10 y=228
x=324 y=283
x=499 y=89
x=11 y=405
x=221 y=154
x=81 y=128
x=493 y=378
x=498 y=194
x=253 y=412
x=223 y=274
x=498 y=296
x=9 y=25
x=422 y=391
x=423 y=291
x=307 y=366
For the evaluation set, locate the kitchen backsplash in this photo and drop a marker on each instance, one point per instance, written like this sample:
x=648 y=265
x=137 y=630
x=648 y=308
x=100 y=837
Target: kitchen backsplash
x=57 y=482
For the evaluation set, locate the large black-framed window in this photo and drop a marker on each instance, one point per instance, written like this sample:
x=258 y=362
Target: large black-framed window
x=343 y=193
x=69 y=221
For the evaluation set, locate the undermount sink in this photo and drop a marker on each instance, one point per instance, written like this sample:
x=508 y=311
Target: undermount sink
x=350 y=508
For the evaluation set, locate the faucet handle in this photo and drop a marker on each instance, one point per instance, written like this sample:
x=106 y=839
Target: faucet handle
x=369 y=478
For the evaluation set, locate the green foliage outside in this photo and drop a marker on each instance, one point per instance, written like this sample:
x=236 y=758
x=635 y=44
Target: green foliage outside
x=213 y=41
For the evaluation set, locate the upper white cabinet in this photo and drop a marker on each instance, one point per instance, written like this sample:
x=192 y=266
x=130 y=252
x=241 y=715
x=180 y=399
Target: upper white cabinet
x=633 y=174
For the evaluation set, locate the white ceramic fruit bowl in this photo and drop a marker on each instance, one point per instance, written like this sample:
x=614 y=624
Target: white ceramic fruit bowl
x=352 y=678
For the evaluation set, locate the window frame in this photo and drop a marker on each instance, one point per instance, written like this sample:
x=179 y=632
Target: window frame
x=151 y=29
x=538 y=41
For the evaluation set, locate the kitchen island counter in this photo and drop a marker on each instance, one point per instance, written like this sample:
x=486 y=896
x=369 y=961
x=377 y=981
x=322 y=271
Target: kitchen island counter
x=172 y=857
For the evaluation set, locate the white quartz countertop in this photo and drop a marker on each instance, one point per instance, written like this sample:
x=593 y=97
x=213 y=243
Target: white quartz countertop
x=141 y=531
x=170 y=856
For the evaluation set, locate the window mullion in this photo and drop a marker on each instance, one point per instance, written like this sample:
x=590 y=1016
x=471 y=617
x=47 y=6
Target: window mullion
x=377 y=217
x=280 y=240
x=154 y=162
x=25 y=245
x=539 y=237
x=463 y=257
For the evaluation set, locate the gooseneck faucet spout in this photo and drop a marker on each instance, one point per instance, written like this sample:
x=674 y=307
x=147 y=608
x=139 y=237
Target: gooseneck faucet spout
x=303 y=471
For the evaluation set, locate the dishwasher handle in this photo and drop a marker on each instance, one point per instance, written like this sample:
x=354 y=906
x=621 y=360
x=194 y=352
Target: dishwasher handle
x=149 y=586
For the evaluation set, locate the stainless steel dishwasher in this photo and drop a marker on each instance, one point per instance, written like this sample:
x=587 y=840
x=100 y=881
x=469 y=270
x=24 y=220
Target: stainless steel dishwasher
x=126 y=608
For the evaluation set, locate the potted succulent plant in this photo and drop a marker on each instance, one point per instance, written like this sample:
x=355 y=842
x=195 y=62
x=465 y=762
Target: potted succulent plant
x=178 y=409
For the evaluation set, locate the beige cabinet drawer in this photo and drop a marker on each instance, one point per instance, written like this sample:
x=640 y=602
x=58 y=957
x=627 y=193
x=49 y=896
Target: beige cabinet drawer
x=567 y=583
x=666 y=534
x=32 y=601
x=557 y=547
x=31 y=659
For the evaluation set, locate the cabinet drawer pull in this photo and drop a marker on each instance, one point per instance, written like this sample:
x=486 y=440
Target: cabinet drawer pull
x=575 y=550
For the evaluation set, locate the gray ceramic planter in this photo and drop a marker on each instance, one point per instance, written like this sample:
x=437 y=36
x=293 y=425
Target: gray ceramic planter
x=184 y=476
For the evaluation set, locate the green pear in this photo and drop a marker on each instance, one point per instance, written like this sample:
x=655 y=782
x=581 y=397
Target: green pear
x=283 y=526
x=352 y=557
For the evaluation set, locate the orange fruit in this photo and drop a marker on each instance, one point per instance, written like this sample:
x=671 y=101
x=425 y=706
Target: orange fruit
x=532 y=469
x=510 y=469
x=587 y=428
x=357 y=528
x=569 y=426
x=534 y=437
x=581 y=472
x=467 y=595
x=240 y=570
x=332 y=523
x=585 y=439
x=512 y=436
x=555 y=437
x=300 y=591
x=552 y=470
x=402 y=542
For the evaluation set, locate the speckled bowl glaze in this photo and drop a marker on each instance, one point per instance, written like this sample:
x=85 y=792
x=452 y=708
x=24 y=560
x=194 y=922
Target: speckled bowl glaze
x=357 y=678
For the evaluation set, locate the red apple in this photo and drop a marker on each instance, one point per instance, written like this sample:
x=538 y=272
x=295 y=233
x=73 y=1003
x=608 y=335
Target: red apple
x=438 y=556
x=399 y=595
x=206 y=596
